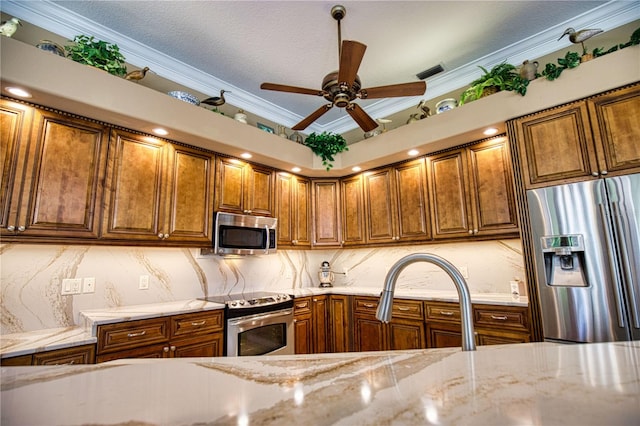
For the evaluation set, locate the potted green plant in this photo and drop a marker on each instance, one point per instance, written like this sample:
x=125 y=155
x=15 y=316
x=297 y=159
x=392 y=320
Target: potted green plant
x=96 y=53
x=325 y=145
x=501 y=77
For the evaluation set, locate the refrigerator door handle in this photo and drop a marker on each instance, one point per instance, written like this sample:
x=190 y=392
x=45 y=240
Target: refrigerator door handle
x=626 y=265
x=613 y=261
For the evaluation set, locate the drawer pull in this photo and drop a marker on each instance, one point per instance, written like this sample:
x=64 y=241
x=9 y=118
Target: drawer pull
x=501 y=317
x=369 y=305
x=302 y=305
x=446 y=313
x=199 y=323
x=142 y=333
x=403 y=308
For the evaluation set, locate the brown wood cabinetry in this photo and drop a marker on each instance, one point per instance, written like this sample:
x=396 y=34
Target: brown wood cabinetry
x=53 y=168
x=405 y=331
x=353 y=211
x=185 y=335
x=493 y=324
x=582 y=140
x=340 y=324
x=396 y=203
x=325 y=207
x=157 y=191
x=84 y=354
x=472 y=191
x=311 y=319
x=293 y=210
x=244 y=188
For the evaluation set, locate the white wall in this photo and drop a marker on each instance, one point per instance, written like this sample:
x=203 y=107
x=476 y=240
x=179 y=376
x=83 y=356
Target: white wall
x=31 y=275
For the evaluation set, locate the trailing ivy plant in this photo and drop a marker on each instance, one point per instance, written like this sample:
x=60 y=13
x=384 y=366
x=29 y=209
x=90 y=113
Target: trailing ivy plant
x=96 y=53
x=552 y=71
x=325 y=145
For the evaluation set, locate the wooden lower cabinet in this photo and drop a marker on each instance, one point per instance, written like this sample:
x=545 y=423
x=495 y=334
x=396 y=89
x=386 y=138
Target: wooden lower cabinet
x=405 y=331
x=85 y=354
x=188 y=335
x=340 y=324
x=311 y=319
x=302 y=324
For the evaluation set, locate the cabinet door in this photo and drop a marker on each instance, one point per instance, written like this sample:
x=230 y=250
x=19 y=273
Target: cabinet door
x=259 y=191
x=152 y=351
x=442 y=335
x=369 y=333
x=556 y=146
x=204 y=346
x=341 y=327
x=15 y=130
x=449 y=198
x=134 y=188
x=189 y=188
x=380 y=201
x=615 y=119
x=325 y=206
x=230 y=185
x=353 y=214
x=491 y=184
x=303 y=326
x=320 y=320
x=302 y=212
x=285 y=208
x=406 y=334
x=63 y=179
x=414 y=223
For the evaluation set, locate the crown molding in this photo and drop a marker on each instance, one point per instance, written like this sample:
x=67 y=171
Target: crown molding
x=61 y=21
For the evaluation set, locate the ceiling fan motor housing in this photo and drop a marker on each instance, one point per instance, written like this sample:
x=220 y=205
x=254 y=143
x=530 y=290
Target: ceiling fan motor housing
x=339 y=94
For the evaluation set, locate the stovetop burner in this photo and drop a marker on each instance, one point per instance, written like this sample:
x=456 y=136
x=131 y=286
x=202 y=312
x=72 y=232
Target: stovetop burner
x=250 y=300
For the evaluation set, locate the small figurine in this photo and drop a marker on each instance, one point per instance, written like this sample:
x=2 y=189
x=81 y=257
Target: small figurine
x=216 y=100
x=8 y=28
x=580 y=37
x=326 y=275
x=137 y=75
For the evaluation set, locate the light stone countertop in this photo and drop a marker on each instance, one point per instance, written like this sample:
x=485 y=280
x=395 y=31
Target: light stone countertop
x=529 y=383
x=85 y=333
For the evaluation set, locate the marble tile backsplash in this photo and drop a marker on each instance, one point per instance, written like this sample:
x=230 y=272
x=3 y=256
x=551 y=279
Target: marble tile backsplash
x=31 y=275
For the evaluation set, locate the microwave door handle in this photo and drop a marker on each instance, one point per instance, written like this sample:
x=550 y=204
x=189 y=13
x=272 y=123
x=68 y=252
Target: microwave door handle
x=266 y=249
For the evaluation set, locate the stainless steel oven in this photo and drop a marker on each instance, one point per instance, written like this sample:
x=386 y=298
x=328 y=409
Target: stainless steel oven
x=258 y=323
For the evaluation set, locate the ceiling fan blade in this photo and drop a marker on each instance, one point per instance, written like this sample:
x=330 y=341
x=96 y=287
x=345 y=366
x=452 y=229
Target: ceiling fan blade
x=291 y=89
x=394 y=90
x=350 y=58
x=361 y=117
x=312 y=117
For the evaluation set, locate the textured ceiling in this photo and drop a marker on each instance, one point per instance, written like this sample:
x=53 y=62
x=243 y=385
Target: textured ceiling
x=236 y=45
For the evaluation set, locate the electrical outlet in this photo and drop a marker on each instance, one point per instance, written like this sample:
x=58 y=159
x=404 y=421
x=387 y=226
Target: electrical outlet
x=143 y=283
x=89 y=285
x=464 y=271
x=71 y=286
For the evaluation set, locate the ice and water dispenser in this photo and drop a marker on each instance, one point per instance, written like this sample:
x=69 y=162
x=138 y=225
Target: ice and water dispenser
x=564 y=260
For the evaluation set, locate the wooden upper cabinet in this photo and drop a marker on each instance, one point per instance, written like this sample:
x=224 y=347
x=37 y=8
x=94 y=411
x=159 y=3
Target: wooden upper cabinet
x=51 y=187
x=157 y=192
x=293 y=210
x=472 y=191
x=582 y=140
x=243 y=188
x=353 y=211
x=325 y=205
x=381 y=208
x=615 y=119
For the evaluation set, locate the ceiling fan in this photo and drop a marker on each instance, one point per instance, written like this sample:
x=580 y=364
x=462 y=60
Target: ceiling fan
x=341 y=87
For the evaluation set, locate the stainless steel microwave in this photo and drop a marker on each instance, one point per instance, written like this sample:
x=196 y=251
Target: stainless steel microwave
x=237 y=234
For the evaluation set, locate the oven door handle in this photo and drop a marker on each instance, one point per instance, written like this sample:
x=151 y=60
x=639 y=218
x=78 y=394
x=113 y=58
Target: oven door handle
x=265 y=316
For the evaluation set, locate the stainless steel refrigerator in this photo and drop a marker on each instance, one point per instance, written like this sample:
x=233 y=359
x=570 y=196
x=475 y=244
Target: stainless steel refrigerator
x=587 y=256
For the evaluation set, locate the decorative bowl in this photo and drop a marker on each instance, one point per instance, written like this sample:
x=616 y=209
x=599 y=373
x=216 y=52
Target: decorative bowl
x=446 y=105
x=49 y=46
x=184 y=96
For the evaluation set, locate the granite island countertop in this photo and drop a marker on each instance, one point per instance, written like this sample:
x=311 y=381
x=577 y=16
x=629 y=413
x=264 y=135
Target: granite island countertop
x=530 y=383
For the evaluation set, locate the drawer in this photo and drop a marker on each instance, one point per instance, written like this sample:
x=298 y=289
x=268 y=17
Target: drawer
x=410 y=309
x=302 y=305
x=365 y=304
x=70 y=356
x=441 y=311
x=132 y=334
x=198 y=323
x=501 y=317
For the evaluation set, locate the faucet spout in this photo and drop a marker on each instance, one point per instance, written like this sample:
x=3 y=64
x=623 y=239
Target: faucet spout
x=384 y=311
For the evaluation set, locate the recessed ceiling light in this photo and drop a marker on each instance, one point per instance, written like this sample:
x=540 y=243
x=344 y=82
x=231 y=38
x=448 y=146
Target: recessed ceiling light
x=356 y=168
x=490 y=131
x=245 y=155
x=413 y=152
x=296 y=169
x=18 y=92
x=160 y=131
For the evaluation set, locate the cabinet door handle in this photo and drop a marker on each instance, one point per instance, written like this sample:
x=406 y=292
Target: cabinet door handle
x=21 y=228
x=403 y=308
x=369 y=305
x=499 y=317
x=301 y=305
x=199 y=323
x=446 y=313
x=11 y=228
x=173 y=348
x=141 y=333
x=166 y=349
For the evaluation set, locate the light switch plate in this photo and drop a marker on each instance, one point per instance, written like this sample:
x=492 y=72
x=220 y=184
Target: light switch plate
x=71 y=286
x=143 y=283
